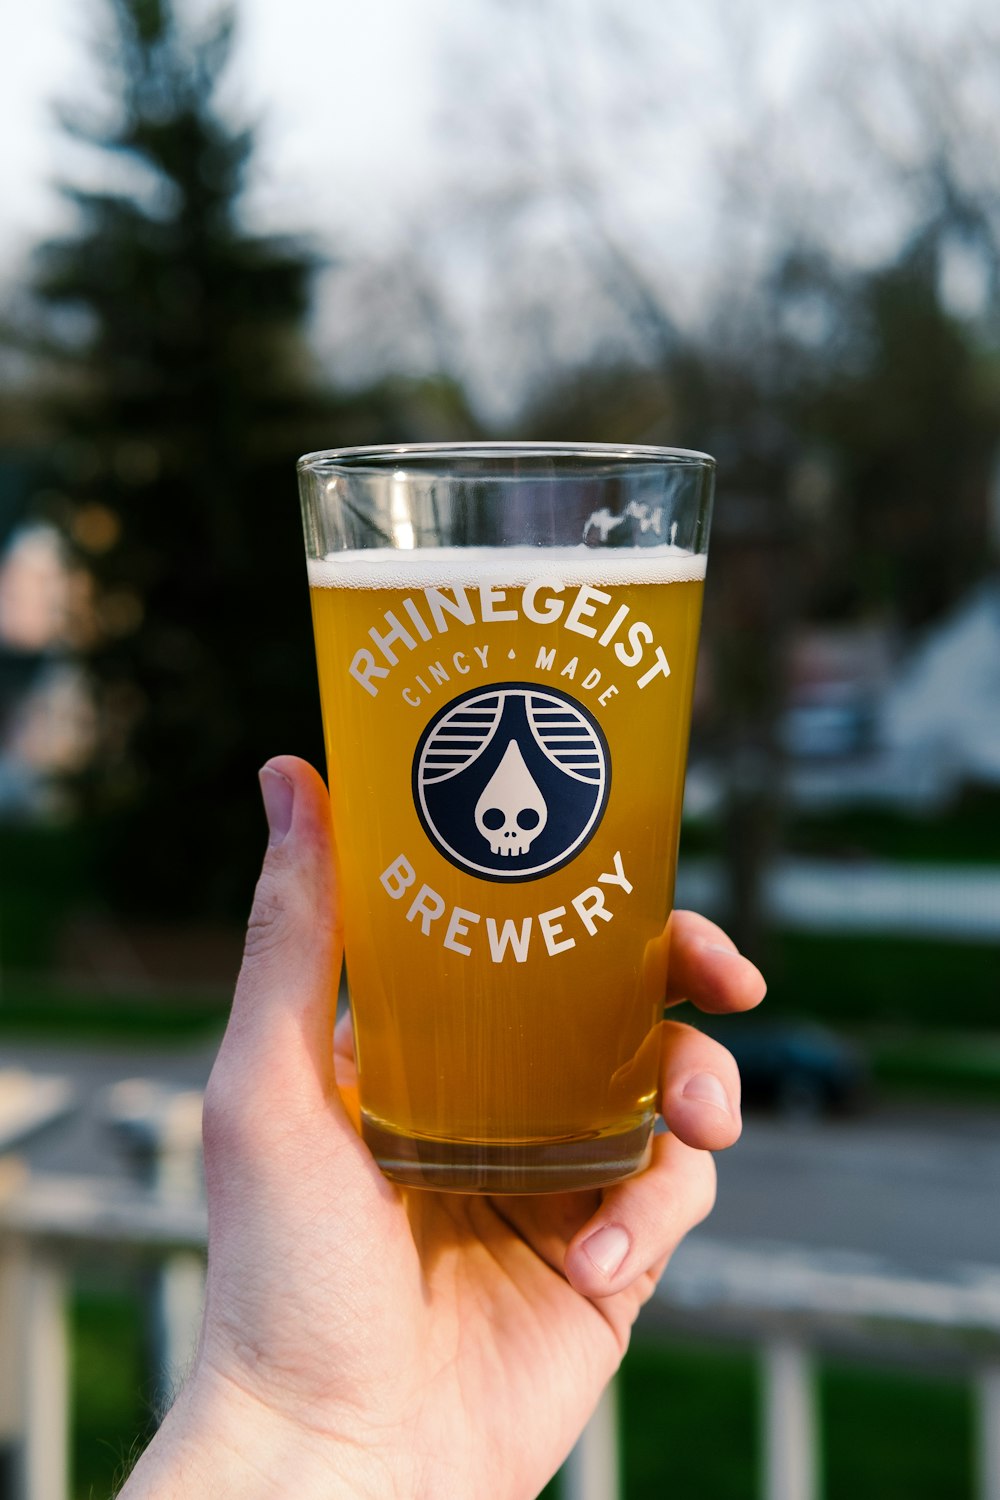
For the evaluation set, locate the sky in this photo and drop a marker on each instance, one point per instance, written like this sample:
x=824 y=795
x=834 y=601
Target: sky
x=346 y=94
x=456 y=132
x=361 y=104
x=369 y=113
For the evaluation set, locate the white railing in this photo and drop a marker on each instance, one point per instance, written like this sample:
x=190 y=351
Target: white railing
x=796 y=1306
x=958 y=903
x=792 y=1306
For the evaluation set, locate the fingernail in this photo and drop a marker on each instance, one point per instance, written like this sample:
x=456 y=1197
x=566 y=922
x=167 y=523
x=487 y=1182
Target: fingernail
x=608 y=1247
x=706 y=1089
x=279 y=795
x=721 y=948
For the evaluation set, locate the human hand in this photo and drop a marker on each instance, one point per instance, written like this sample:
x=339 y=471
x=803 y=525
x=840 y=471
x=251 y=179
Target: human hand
x=364 y=1340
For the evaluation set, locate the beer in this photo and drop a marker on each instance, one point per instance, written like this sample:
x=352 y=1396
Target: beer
x=506 y=734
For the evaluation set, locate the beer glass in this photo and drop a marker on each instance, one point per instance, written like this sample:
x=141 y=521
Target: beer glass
x=506 y=638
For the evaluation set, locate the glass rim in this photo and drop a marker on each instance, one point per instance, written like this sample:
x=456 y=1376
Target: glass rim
x=354 y=460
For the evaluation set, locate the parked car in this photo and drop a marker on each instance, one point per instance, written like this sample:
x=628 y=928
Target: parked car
x=797 y=1068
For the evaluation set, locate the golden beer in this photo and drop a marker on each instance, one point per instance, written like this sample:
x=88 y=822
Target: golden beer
x=506 y=734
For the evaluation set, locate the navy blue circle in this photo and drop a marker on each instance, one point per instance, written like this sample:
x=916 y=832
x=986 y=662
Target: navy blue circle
x=528 y=744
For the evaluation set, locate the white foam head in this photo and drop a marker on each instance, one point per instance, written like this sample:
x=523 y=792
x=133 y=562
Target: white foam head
x=468 y=567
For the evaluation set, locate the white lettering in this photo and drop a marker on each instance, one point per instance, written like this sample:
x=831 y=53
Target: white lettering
x=398 y=877
x=662 y=667
x=457 y=659
x=440 y=605
x=618 y=877
x=363 y=669
x=438 y=673
x=583 y=606
x=551 y=929
x=611 y=629
x=458 y=926
x=508 y=936
x=397 y=632
x=590 y=905
x=544 y=661
x=553 y=608
x=409 y=698
x=490 y=596
x=640 y=631
x=609 y=692
x=415 y=616
x=592 y=678
x=569 y=670
x=428 y=906
x=481 y=652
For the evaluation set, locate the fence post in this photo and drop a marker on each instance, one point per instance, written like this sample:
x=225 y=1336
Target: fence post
x=592 y=1470
x=790 y=1446
x=13 y=1267
x=44 y=1359
x=988 y=1434
x=160 y=1129
x=11 y=1403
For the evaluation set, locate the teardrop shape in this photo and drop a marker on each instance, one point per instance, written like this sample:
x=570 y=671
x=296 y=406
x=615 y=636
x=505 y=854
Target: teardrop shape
x=511 y=791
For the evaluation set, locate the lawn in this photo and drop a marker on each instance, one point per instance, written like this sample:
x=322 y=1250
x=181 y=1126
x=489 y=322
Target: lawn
x=967 y=833
x=848 y=980
x=689 y=1417
x=37 y=1008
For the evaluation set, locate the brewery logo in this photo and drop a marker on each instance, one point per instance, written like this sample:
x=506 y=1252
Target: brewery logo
x=511 y=782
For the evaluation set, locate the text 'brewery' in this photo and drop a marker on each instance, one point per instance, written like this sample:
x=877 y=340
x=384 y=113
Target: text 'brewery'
x=507 y=938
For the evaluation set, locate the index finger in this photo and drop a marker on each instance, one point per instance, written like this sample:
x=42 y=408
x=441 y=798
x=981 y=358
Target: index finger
x=704 y=966
x=346 y=1068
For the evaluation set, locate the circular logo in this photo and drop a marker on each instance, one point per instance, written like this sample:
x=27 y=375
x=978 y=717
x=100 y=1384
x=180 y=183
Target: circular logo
x=510 y=782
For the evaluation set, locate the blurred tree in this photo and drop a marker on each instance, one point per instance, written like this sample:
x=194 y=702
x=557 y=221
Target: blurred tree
x=186 y=392
x=912 y=415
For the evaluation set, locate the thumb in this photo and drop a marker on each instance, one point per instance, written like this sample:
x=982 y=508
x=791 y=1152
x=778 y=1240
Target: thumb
x=284 y=1007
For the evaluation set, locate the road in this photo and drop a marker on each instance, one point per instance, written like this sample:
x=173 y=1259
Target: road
x=918 y=1189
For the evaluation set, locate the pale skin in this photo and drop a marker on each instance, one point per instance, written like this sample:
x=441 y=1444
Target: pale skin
x=367 y=1342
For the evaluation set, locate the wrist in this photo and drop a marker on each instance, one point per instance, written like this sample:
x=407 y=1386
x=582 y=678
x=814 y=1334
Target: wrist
x=219 y=1440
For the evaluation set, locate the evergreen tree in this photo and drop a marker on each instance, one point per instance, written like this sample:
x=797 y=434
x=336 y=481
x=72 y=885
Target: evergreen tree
x=187 y=404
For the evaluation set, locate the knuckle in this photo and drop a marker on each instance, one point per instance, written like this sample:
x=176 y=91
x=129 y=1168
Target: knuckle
x=224 y=1121
x=705 y=1186
x=265 y=930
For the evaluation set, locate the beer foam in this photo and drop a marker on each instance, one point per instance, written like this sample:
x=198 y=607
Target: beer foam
x=468 y=567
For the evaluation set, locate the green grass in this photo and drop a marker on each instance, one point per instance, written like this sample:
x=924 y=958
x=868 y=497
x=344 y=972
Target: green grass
x=43 y=871
x=957 y=1067
x=689 y=1415
x=967 y=833
x=896 y=1434
x=688 y=1419
x=891 y=981
x=111 y=1413
x=45 y=1009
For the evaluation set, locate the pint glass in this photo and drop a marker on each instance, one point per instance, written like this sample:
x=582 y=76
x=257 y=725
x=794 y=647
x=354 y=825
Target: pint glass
x=506 y=639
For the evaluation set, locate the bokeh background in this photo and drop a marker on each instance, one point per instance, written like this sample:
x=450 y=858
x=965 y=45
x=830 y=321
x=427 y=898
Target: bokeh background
x=767 y=230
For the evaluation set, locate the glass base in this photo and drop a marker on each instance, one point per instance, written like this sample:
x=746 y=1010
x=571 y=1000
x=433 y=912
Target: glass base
x=559 y=1166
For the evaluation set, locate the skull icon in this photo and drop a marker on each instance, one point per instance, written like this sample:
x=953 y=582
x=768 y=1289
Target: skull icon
x=511 y=811
x=510 y=780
